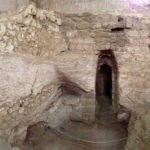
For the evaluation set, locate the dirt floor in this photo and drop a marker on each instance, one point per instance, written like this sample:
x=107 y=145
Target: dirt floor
x=106 y=134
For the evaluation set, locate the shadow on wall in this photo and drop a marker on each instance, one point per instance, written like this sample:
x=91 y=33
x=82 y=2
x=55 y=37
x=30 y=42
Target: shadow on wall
x=68 y=86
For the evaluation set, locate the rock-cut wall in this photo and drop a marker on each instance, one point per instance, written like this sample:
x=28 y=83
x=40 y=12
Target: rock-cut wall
x=10 y=5
x=128 y=37
x=81 y=6
x=48 y=65
x=36 y=67
x=139 y=133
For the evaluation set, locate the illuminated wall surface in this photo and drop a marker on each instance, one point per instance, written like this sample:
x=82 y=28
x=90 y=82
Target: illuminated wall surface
x=77 y=6
x=6 y=5
x=94 y=6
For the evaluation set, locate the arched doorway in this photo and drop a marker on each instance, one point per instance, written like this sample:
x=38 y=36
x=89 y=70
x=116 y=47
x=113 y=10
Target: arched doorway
x=106 y=81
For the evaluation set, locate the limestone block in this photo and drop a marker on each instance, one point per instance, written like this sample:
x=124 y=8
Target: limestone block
x=20 y=78
x=17 y=77
x=82 y=6
x=77 y=113
x=69 y=99
x=82 y=43
x=139 y=133
x=75 y=103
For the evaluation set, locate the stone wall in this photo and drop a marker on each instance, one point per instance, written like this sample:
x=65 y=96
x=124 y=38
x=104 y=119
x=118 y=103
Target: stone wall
x=24 y=33
x=81 y=6
x=9 y=5
x=25 y=93
x=35 y=66
x=46 y=57
x=139 y=132
x=128 y=37
x=95 y=6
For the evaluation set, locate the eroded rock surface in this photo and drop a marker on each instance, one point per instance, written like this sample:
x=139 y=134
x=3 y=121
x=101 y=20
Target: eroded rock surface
x=46 y=56
x=139 y=133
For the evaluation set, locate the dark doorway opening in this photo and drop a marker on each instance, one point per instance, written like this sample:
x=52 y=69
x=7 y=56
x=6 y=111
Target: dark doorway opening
x=106 y=76
x=106 y=82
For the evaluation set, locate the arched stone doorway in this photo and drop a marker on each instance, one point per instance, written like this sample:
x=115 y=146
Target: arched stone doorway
x=106 y=81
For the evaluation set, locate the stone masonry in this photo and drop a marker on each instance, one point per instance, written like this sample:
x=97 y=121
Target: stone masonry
x=46 y=56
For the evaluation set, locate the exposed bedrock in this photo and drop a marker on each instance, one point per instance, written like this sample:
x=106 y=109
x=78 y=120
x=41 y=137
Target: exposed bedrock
x=31 y=90
x=48 y=65
x=11 y=5
x=139 y=132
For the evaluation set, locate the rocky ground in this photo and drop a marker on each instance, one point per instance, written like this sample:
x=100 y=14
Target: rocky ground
x=107 y=133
